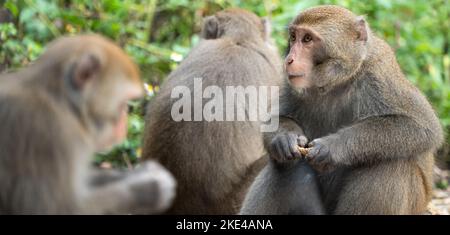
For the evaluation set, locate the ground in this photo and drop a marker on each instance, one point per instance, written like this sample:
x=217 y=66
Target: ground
x=440 y=204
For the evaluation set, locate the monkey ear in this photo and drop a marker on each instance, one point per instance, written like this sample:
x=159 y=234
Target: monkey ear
x=86 y=68
x=361 y=27
x=210 y=28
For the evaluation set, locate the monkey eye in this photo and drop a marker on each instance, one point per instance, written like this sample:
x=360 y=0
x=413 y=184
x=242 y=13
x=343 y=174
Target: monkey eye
x=307 y=38
x=293 y=37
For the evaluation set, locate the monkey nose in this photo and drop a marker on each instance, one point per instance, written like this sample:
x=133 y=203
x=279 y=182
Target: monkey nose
x=290 y=61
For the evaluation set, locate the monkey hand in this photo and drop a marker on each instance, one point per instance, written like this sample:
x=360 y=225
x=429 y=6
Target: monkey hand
x=153 y=188
x=319 y=155
x=284 y=146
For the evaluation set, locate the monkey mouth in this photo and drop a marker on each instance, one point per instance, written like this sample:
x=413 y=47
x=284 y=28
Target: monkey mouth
x=299 y=80
x=296 y=76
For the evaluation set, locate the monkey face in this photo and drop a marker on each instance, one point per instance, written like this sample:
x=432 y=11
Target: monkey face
x=111 y=111
x=114 y=117
x=324 y=53
x=100 y=80
x=305 y=46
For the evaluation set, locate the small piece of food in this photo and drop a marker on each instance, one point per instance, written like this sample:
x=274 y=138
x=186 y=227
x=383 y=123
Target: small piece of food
x=303 y=151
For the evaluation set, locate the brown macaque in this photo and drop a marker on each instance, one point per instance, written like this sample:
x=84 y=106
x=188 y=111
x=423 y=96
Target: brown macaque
x=371 y=135
x=215 y=161
x=55 y=114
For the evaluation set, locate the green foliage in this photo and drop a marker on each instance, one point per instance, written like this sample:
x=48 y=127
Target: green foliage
x=442 y=184
x=159 y=34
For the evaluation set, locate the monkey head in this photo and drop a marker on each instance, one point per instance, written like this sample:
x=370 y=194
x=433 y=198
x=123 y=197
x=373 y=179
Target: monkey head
x=239 y=25
x=98 y=80
x=327 y=45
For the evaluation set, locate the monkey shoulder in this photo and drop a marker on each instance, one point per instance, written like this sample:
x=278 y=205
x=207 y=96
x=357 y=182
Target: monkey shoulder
x=223 y=62
x=370 y=94
x=379 y=94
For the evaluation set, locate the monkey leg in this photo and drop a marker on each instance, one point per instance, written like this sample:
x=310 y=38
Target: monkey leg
x=393 y=187
x=290 y=188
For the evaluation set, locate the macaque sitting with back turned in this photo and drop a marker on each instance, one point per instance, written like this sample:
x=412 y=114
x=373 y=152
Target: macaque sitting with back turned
x=54 y=116
x=215 y=161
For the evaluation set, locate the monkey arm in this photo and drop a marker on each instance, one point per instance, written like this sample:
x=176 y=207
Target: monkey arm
x=106 y=191
x=123 y=196
x=107 y=198
x=149 y=188
x=381 y=138
x=103 y=177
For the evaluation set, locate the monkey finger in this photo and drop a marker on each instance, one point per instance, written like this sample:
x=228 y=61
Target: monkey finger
x=293 y=145
x=294 y=153
x=279 y=149
x=278 y=152
x=302 y=140
x=313 y=152
x=312 y=143
x=286 y=148
x=275 y=150
x=318 y=151
x=320 y=154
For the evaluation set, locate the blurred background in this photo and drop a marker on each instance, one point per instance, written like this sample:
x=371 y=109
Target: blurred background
x=159 y=34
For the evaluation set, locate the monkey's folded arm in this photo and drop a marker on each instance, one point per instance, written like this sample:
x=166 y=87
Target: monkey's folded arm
x=148 y=189
x=380 y=138
x=106 y=176
x=104 y=198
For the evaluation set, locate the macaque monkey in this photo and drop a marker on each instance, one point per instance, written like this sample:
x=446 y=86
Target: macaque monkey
x=370 y=133
x=215 y=162
x=54 y=115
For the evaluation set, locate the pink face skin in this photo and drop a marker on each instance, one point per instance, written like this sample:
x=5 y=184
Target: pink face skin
x=117 y=132
x=120 y=130
x=121 y=126
x=303 y=44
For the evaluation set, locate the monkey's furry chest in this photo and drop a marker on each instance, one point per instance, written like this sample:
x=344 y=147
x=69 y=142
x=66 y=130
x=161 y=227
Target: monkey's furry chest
x=322 y=117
